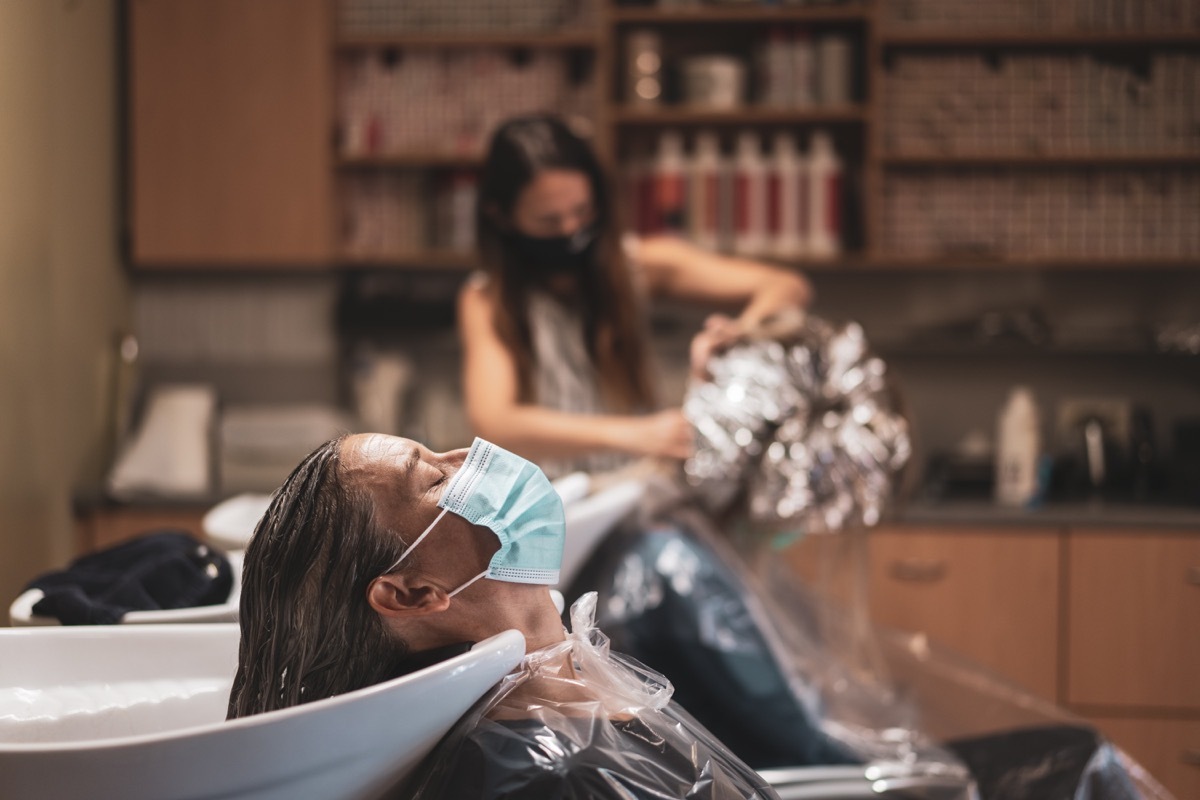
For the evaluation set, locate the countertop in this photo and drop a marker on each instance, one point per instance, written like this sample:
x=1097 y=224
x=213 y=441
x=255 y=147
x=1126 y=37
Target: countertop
x=1078 y=514
x=915 y=512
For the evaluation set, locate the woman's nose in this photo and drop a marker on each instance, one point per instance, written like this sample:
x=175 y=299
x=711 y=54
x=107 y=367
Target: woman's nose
x=570 y=225
x=452 y=458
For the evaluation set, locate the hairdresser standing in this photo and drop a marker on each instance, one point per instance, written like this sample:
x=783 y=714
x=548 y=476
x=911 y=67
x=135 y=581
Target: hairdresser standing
x=556 y=353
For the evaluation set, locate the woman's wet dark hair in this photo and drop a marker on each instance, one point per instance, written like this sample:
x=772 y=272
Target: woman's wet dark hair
x=307 y=631
x=520 y=149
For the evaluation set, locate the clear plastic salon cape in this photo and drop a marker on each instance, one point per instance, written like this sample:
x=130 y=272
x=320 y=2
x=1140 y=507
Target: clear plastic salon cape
x=820 y=704
x=577 y=720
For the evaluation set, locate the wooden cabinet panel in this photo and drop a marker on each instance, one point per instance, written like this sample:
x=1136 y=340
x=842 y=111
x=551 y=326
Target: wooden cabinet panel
x=229 y=132
x=1133 y=619
x=990 y=594
x=1169 y=749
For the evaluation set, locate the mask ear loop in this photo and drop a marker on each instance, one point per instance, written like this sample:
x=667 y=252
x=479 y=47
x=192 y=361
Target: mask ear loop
x=468 y=583
x=404 y=555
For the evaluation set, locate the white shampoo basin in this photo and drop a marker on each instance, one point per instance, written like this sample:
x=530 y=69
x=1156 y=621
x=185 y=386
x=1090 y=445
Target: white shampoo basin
x=138 y=712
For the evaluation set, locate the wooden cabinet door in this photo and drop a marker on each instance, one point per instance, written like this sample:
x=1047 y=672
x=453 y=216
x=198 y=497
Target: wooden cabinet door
x=230 y=117
x=989 y=594
x=1133 y=611
x=1169 y=749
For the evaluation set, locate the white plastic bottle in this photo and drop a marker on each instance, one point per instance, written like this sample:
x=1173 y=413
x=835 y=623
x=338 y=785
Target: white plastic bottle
x=824 y=198
x=804 y=70
x=749 y=196
x=775 y=70
x=833 y=70
x=785 y=190
x=704 y=191
x=1018 y=445
x=670 y=183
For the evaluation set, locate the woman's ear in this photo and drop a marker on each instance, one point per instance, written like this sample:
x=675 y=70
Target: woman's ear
x=404 y=595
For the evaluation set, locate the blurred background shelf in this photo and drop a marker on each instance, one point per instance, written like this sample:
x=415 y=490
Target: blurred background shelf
x=412 y=160
x=1050 y=160
x=1037 y=39
x=749 y=115
x=562 y=40
x=759 y=14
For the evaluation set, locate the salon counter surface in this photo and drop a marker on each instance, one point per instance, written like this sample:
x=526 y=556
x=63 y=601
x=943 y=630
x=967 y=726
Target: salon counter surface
x=103 y=520
x=1080 y=514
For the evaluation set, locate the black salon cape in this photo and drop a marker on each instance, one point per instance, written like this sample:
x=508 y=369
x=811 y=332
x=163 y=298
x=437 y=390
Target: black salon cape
x=647 y=759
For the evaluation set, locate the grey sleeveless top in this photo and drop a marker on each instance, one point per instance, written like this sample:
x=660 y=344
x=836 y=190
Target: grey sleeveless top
x=565 y=379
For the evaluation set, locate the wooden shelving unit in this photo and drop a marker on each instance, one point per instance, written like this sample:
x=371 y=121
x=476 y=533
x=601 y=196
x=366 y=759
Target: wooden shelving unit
x=757 y=14
x=410 y=161
x=441 y=260
x=1043 y=160
x=890 y=39
x=565 y=40
x=749 y=116
x=279 y=222
x=1036 y=39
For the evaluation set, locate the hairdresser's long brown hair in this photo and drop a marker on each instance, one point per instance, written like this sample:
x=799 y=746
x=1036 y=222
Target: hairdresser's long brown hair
x=307 y=629
x=613 y=332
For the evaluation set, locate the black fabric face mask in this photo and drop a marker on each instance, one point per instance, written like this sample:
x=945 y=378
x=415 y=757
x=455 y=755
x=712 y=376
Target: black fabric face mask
x=551 y=255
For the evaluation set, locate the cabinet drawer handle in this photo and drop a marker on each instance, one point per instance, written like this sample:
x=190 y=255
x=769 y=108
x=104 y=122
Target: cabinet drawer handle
x=916 y=570
x=1193 y=576
x=1191 y=757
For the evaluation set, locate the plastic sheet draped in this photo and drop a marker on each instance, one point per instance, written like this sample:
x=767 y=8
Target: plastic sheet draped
x=802 y=691
x=801 y=421
x=579 y=721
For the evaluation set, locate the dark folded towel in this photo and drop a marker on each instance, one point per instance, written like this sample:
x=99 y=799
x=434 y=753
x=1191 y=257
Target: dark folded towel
x=165 y=569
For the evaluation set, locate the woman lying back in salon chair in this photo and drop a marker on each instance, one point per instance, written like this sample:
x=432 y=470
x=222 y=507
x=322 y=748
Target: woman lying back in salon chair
x=378 y=557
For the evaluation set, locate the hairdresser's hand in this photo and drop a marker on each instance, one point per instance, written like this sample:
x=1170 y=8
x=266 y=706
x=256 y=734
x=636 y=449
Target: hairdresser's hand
x=719 y=332
x=666 y=434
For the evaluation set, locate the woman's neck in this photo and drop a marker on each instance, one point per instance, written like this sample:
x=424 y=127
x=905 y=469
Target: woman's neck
x=564 y=287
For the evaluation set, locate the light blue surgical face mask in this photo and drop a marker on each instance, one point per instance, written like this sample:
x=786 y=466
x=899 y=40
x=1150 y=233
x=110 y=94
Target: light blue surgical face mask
x=511 y=496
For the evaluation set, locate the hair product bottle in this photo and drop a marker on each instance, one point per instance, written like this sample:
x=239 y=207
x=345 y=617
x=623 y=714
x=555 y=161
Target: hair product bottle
x=670 y=183
x=749 y=196
x=705 y=190
x=833 y=70
x=824 y=198
x=1018 y=442
x=804 y=62
x=785 y=190
x=775 y=69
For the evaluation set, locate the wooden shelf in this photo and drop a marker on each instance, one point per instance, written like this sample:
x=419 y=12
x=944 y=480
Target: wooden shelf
x=441 y=260
x=1042 y=160
x=749 y=115
x=413 y=160
x=1016 y=39
x=968 y=263
x=561 y=40
x=850 y=262
x=846 y=12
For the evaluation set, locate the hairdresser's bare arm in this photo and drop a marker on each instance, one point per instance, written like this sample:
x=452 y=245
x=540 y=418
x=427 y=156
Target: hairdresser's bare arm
x=491 y=393
x=676 y=268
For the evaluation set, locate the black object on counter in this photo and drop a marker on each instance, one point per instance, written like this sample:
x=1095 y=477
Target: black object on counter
x=1061 y=761
x=162 y=570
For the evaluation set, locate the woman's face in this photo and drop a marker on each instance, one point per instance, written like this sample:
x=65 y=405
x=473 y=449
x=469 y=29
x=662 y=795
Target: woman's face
x=406 y=481
x=557 y=202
